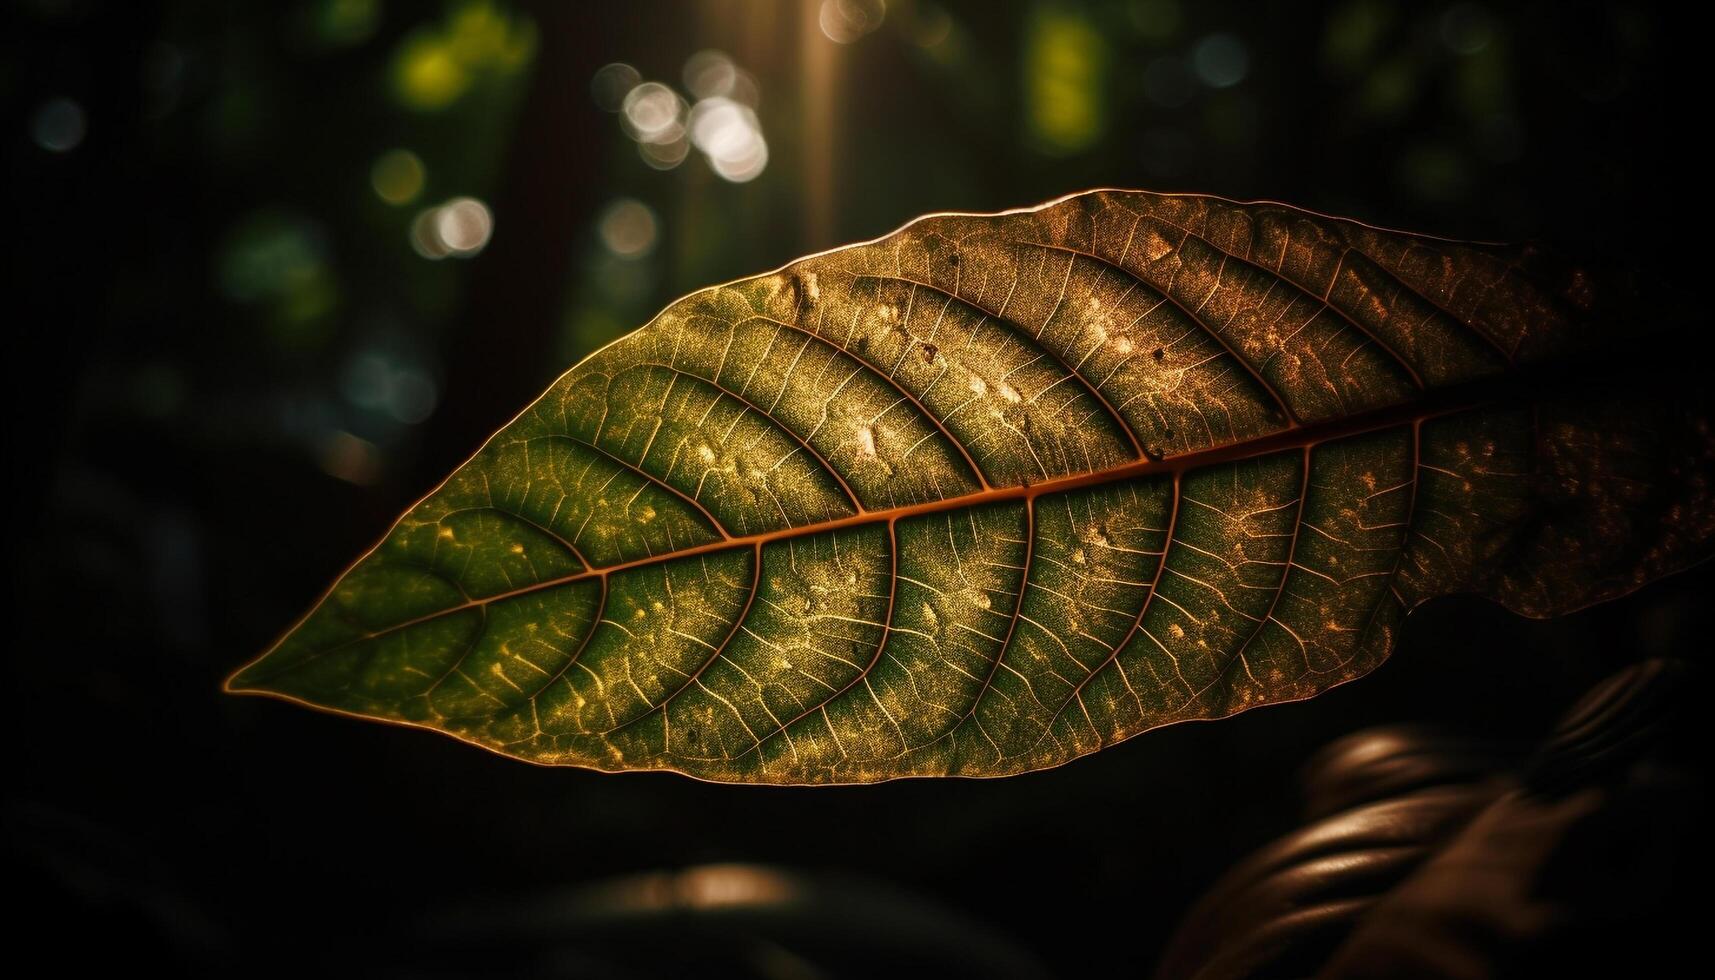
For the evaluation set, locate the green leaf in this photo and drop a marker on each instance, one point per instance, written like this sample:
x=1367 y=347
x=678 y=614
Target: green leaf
x=996 y=491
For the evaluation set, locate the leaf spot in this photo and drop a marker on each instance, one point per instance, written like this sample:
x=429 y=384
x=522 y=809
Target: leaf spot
x=808 y=290
x=1155 y=246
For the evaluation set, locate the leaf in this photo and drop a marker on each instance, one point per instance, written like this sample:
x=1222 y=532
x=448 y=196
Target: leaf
x=721 y=920
x=997 y=491
x=1426 y=854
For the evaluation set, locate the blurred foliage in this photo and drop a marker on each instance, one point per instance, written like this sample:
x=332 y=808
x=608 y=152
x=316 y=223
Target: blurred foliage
x=1411 y=114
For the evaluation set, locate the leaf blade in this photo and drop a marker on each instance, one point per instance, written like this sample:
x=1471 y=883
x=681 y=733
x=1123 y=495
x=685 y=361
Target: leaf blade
x=1107 y=368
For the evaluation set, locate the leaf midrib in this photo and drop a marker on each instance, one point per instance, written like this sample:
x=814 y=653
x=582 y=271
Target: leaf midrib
x=1435 y=403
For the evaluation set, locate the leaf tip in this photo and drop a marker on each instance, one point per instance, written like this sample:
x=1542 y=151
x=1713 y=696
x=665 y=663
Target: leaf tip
x=244 y=680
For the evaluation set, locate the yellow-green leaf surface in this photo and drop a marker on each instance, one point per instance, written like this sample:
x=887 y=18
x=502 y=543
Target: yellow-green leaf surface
x=997 y=491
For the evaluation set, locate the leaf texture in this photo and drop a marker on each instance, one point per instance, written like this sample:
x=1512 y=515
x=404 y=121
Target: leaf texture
x=997 y=491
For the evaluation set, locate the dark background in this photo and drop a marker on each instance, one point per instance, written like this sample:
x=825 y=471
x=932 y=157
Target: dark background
x=229 y=370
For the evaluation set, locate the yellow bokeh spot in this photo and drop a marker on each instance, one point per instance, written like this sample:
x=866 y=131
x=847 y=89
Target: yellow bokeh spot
x=482 y=35
x=1065 y=72
x=398 y=176
x=435 y=66
x=426 y=74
